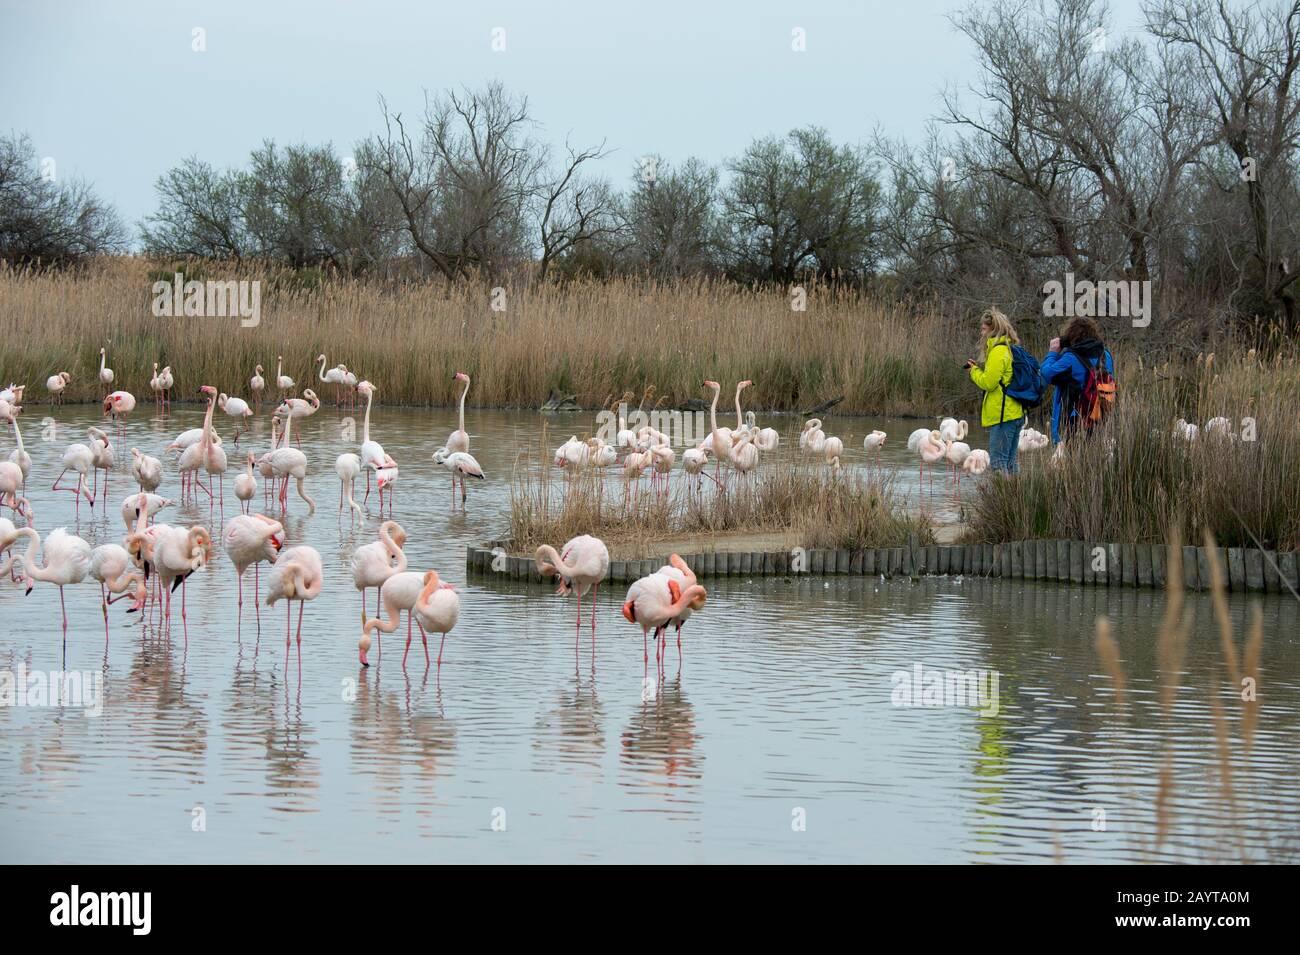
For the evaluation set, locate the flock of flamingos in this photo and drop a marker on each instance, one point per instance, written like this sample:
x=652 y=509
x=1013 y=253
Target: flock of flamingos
x=155 y=559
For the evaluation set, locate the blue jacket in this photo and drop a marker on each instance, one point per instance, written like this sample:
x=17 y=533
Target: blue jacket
x=1064 y=369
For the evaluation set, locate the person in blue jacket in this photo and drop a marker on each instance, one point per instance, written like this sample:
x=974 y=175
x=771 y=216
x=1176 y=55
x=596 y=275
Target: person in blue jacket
x=1079 y=347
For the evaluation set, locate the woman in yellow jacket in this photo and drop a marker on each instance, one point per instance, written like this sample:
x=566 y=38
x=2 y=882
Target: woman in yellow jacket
x=1000 y=413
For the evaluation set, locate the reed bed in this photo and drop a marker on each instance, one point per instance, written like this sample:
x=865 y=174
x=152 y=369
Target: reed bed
x=592 y=340
x=783 y=502
x=1136 y=481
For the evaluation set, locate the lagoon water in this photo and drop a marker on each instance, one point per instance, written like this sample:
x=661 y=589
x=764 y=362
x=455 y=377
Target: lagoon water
x=776 y=739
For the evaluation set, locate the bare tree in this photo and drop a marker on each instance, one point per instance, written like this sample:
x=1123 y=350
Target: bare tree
x=1243 y=69
x=48 y=222
x=573 y=209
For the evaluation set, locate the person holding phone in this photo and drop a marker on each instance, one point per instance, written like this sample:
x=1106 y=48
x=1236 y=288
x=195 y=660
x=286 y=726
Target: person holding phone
x=1001 y=414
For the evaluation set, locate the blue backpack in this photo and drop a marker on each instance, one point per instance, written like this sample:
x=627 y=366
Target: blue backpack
x=1027 y=385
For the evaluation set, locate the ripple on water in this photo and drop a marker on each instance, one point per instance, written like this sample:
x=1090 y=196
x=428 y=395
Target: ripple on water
x=780 y=710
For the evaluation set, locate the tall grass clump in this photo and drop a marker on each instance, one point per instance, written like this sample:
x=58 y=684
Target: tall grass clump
x=1135 y=480
x=590 y=339
x=784 y=503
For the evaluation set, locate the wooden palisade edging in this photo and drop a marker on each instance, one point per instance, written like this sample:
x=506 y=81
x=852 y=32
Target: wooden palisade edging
x=1063 y=561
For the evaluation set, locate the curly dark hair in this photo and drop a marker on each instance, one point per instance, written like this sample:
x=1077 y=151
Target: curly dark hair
x=1079 y=328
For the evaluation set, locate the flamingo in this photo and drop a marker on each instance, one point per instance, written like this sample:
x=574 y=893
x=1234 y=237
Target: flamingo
x=874 y=443
x=19 y=456
x=110 y=564
x=349 y=383
x=189 y=438
x=719 y=438
x=207 y=454
x=744 y=453
x=8 y=537
x=303 y=407
x=236 y=408
x=624 y=439
x=765 y=439
x=81 y=459
x=282 y=381
x=956 y=454
x=296 y=575
x=178 y=552
x=680 y=571
x=332 y=377
x=1032 y=440
x=950 y=429
x=256 y=385
x=11 y=480
x=833 y=450
x=250 y=539
x=385 y=478
x=436 y=610
x=105 y=373
x=693 y=462
x=634 y=465
x=740 y=422
x=150 y=503
x=289 y=462
x=603 y=455
x=9 y=409
x=155 y=385
x=55 y=385
x=581 y=566
x=246 y=484
x=67 y=561
x=348 y=468
x=373 y=455
x=118 y=405
x=663 y=459
x=812 y=440
x=374 y=563
x=654 y=602
x=399 y=592
x=458 y=462
x=977 y=462
x=102 y=454
x=166 y=382
x=932 y=449
x=459 y=440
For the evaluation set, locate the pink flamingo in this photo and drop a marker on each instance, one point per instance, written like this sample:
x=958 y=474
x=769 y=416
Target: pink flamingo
x=581 y=567
x=67 y=561
x=110 y=564
x=374 y=563
x=655 y=601
x=250 y=539
x=399 y=592
x=296 y=575
x=459 y=440
x=458 y=462
x=436 y=610
x=680 y=571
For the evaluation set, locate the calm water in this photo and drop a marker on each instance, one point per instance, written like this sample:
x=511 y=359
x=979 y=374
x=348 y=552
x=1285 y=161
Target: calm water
x=776 y=740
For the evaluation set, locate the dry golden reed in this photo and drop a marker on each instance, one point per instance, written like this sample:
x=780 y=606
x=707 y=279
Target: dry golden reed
x=592 y=340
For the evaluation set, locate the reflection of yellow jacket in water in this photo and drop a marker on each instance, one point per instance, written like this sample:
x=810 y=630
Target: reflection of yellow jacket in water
x=992 y=378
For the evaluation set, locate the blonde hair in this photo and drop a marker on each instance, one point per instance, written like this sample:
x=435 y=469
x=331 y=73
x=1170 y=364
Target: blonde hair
x=1001 y=325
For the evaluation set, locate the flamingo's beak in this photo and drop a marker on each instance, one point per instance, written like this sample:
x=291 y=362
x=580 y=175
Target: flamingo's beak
x=629 y=611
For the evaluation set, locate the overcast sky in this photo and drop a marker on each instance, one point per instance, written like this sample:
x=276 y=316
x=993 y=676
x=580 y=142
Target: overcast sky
x=113 y=91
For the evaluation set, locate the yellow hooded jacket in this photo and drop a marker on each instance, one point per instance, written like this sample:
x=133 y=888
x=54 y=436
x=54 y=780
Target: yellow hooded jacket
x=995 y=374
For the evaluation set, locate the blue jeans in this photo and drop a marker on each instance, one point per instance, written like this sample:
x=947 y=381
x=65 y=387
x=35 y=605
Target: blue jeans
x=1004 y=443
